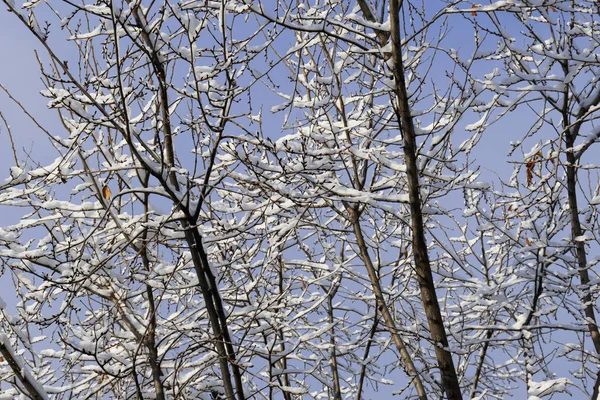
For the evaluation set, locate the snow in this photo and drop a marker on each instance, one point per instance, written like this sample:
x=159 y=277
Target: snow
x=537 y=390
x=293 y=389
x=98 y=30
x=277 y=223
x=585 y=237
x=521 y=319
x=24 y=370
x=477 y=125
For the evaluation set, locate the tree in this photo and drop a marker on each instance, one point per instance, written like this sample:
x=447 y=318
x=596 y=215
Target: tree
x=358 y=150
x=111 y=264
x=285 y=200
x=552 y=71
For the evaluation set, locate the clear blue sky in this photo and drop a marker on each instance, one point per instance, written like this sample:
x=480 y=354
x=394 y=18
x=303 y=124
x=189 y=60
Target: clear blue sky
x=20 y=74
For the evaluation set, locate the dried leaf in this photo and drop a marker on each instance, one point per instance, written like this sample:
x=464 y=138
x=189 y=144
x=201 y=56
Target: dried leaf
x=528 y=241
x=474 y=13
x=552 y=9
x=106 y=193
x=530 y=166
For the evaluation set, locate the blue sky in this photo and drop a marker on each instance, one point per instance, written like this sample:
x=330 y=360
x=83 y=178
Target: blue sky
x=21 y=75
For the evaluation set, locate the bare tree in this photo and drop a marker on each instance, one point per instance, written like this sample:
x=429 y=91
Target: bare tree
x=548 y=74
x=346 y=128
x=286 y=200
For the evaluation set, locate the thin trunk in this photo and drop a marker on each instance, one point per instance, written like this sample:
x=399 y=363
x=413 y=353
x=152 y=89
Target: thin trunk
x=213 y=316
x=206 y=279
x=581 y=255
x=571 y=134
x=363 y=369
x=429 y=298
x=596 y=392
x=482 y=356
x=152 y=348
x=150 y=342
x=150 y=339
x=383 y=308
x=136 y=381
x=490 y=332
x=220 y=310
x=337 y=393
x=283 y=361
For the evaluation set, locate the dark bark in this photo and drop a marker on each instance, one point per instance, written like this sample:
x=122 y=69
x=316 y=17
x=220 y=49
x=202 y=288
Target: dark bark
x=479 y=369
x=580 y=254
x=571 y=133
x=429 y=298
x=337 y=393
x=207 y=281
x=150 y=338
x=363 y=369
x=383 y=308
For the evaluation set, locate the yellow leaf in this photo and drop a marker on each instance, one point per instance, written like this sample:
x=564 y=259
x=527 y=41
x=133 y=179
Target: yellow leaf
x=106 y=193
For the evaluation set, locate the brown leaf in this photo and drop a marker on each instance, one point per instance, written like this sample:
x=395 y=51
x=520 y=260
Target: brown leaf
x=106 y=193
x=474 y=13
x=552 y=9
x=527 y=241
x=530 y=166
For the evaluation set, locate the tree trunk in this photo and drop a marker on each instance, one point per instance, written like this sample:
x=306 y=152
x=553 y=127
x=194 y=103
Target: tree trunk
x=431 y=306
x=382 y=307
x=580 y=254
